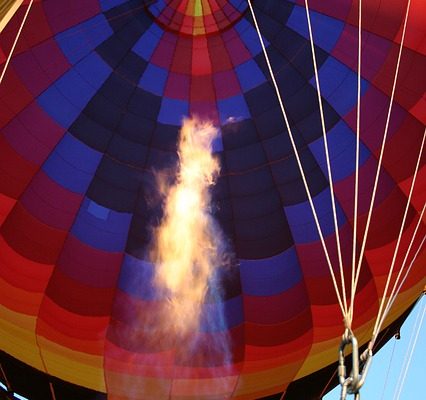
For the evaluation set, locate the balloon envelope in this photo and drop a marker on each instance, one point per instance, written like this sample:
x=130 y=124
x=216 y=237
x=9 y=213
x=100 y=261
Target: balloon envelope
x=91 y=107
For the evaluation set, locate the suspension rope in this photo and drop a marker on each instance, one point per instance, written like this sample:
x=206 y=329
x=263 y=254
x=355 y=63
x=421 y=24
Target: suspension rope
x=330 y=177
x=376 y=179
x=9 y=57
x=407 y=360
x=358 y=125
x=396 y=291
x=296 y=152
x=398 y=243
x=385 y=384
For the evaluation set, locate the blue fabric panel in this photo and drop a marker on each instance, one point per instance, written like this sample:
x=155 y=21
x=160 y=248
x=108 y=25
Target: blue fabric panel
x=66 y=174
x=250 y=37
x=108 y=234
x=136 y=278
x=217 y=144
x=154 y=79
x=249 y=75
x=341 y=148
x=157 y=7
x=78 y=154
x=147 y=43
x=108 y=4
x=240 y=5
x=325 y=30
x=339 y=85
x=97 y=210
x=78 y=41
x=172 y=111
x=232 y=109
x=75 y=89
x=94 y=70
x=72 y=164
x=221 y=316
x=58 y=107
x=302 y=223
x=270 y=276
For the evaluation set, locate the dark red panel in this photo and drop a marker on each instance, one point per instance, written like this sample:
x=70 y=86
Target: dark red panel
x=16 y=172
x=32 y=238
x=73 y=295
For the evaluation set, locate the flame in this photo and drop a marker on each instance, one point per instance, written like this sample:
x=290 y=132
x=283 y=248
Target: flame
x=187 y=248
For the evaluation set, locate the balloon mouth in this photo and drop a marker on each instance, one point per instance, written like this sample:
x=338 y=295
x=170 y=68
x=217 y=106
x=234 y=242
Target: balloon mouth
x=197 y=17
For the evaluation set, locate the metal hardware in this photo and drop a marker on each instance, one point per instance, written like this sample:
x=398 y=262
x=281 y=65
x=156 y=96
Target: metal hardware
x=352 y=384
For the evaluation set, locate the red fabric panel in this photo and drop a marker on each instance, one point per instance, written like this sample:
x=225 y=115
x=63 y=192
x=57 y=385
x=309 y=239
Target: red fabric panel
x=236 y=49
x=272 y=335
x=374 y=110
x=33 y=134
x=344 y=190
x=274 y=309
x=334 y=8
x=73 y=295
x=177 y=86
x=402 y=150
x=381 y=18
x=14 y=96
x=163 y=54
x=206 y=110
x=218 y=55
x=182 y=63
x=16 y=172
x=88 y=265
x=374 y=51
x=40 y=67
x=387 y=218
x=411 y=77
x=50 y=202
x=63 y=15
x=35 y=31
x=32 y=238
x=21 y=272
x=201 y=64
x=226 y=84
x=202 y=88
x=73 y=325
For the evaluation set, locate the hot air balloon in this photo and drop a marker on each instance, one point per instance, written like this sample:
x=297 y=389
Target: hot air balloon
x=91 y=105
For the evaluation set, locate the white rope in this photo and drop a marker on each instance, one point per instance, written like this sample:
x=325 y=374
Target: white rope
x=385 y=383
x=358 y=124
x=376 y=179
x=330 y=177
x=411 y=347
x=396 y=291
x=9 y=57
x=305 y=183
x=398 y=242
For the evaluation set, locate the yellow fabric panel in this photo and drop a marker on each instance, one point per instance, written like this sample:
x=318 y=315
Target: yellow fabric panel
x=73 y=366
x=7 y=10
x=19 y=341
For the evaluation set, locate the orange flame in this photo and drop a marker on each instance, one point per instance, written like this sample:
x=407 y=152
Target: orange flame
x=187 y=240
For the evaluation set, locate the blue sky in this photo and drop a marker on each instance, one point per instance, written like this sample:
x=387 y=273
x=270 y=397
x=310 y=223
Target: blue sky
x=383 y=385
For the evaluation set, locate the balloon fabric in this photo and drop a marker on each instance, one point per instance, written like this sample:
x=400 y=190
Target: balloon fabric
x=90 y=111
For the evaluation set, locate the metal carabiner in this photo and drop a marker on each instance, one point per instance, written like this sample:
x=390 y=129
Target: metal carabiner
x=352 y=384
